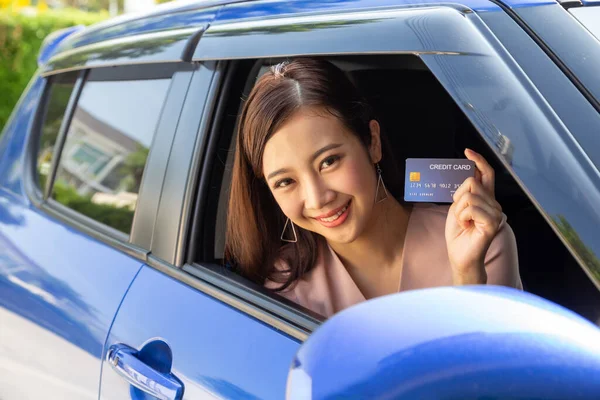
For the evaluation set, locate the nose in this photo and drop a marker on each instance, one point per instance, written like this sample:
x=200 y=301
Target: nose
x=317 y=194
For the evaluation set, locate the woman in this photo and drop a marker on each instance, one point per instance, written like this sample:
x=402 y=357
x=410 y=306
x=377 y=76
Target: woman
x=307 y=171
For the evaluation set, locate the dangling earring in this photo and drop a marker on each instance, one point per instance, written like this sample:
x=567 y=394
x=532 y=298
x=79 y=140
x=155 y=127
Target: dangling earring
x=295 y=239
x=379 y=197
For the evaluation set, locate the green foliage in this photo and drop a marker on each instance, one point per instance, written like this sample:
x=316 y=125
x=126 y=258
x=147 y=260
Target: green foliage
x=119 y=218
x=134 y=168
x=587 y=255
x=94 y=5
x=20 y=39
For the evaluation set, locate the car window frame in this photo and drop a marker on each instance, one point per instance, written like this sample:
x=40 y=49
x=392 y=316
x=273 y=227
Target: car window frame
x=572 y=47
x=228 y=40
x=132 y=244
x=227 y=45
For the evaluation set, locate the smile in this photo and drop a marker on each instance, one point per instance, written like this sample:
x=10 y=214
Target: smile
x=336 y=218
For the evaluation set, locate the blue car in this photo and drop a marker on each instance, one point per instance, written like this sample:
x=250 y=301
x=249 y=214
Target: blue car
x=114 y=176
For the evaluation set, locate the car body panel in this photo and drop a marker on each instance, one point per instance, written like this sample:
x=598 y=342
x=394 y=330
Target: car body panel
x=57 y=304
x=12 y=142
x=55 y=300
x=218 y=351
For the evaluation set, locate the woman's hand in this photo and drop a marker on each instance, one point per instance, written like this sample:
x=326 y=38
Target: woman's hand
x=473 y=221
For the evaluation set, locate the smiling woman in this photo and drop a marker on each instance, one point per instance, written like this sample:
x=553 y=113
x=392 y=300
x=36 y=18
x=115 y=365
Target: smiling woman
x=310 y=168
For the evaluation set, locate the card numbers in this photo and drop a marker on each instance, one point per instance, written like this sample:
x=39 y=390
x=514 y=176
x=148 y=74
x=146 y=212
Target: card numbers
x=450 y=185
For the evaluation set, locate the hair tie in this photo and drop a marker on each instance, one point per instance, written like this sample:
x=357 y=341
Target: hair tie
x=278 y=68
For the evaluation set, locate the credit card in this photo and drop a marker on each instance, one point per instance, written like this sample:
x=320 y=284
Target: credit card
x=435 y=180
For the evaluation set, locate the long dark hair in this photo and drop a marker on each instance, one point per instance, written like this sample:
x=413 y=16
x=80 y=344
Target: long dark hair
x=254 y=220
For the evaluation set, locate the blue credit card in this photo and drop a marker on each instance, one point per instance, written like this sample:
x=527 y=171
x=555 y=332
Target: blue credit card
x=435 y=179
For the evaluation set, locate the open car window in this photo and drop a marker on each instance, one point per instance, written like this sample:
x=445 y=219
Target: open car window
x=420 y=119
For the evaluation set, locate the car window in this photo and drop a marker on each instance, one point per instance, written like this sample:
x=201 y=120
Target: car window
x=589 y=17
x=106 y=148
x=419 y=119
x=423 y=107
x=59 y=93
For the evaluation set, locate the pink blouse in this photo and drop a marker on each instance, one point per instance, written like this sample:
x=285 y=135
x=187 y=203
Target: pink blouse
x=329 y=288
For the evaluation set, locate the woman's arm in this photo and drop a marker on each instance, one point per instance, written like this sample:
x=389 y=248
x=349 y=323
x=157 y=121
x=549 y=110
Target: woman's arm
x=502 y=261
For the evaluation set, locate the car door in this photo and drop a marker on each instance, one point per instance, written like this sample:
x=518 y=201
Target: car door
x=73 y=164
x=188 y=333
x=188 y=327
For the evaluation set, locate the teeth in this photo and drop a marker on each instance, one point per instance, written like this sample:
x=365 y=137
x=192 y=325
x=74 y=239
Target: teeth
x=335 y=216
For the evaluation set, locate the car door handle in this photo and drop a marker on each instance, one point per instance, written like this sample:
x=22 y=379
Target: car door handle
x=124 y=361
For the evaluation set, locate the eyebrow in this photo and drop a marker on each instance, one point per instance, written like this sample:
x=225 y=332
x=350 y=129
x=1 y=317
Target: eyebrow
x=324 y=149
x=313 y=158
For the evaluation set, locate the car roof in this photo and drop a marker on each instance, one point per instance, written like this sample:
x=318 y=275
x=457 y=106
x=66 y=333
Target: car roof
x=198 y=13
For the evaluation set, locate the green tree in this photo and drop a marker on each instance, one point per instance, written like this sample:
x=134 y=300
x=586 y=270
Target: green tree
x=21 y=37
x=133 y=168
x=589 y=258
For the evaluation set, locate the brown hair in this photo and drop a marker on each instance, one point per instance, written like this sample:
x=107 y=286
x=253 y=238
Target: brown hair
x=254 y=220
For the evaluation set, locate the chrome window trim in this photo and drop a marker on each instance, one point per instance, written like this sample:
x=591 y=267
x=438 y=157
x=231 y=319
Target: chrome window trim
x=176 y=49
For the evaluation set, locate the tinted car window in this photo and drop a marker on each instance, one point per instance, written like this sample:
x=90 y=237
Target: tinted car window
x=589 y=17
x=106 y=149
x=60 y=91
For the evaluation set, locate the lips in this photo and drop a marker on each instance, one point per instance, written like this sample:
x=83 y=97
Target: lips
x=335 y=217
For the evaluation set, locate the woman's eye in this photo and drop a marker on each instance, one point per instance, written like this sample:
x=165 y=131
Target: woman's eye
x=329 y=161
x=283 y=183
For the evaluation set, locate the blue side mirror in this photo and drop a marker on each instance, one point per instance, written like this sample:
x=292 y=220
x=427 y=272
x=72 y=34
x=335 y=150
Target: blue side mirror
x=51 y=42
x=472 y=342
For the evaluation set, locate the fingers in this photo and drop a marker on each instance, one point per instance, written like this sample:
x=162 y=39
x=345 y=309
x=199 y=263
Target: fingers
x=483 y=220
x=472 y=186
x=491 y=209
x=487 y=172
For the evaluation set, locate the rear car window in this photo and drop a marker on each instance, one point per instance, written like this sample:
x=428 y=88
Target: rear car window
x=106 y=148
x=588 y=17
x=59 y=93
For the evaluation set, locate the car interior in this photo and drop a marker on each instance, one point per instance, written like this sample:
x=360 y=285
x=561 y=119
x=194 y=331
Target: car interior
x=420 y=119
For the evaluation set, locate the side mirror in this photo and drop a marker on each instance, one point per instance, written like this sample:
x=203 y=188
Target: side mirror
x=484 y=342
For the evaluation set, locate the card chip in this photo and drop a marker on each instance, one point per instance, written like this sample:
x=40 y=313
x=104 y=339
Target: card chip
x=415 y=176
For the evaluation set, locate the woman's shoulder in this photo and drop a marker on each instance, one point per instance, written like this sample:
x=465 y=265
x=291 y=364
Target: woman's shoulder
x=312 y=290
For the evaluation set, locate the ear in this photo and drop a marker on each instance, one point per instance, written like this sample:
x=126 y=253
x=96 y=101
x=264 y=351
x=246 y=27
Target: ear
x=375 y=148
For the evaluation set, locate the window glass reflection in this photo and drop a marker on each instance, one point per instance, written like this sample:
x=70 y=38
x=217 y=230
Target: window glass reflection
x=106 y=149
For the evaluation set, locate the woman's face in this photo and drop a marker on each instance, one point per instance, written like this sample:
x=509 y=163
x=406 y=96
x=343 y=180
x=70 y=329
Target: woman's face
x=321 y=174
